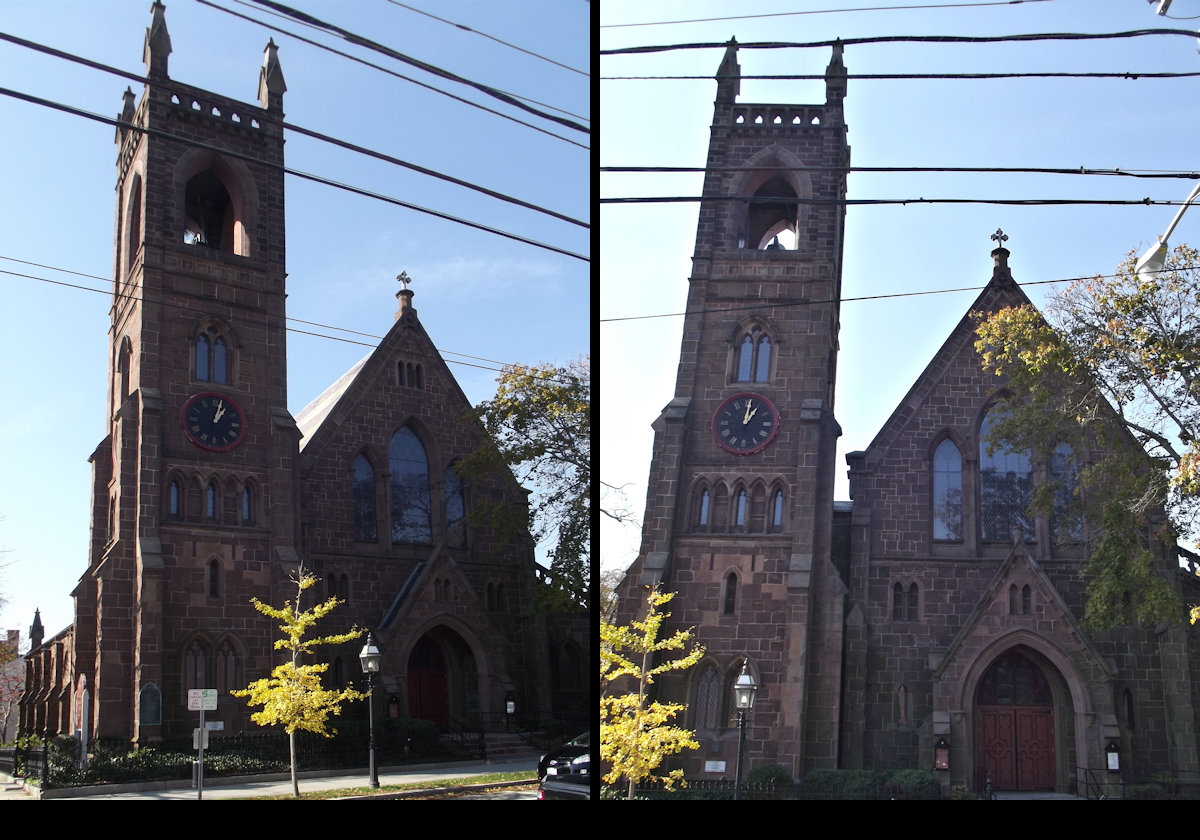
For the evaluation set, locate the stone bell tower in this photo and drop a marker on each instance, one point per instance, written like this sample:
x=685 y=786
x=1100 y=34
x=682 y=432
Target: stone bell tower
x=194 y=487
x=740 y=505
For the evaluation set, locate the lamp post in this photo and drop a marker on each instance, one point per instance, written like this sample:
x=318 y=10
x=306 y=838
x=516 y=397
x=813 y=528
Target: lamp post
x=743 y=698
x=1151 y=262
x=370 y=658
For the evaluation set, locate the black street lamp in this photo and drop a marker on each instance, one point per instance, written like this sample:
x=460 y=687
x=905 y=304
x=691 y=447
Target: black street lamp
x=370 y=657
x=743 y=697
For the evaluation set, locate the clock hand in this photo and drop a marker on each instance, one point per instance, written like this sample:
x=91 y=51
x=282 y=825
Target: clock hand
x=749 y=413
x=220 y=411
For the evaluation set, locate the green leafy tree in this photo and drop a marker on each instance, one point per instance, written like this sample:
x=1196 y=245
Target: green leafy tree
x=636 y=733
x=1113 y=369
x=539 y=424
x=293 y=696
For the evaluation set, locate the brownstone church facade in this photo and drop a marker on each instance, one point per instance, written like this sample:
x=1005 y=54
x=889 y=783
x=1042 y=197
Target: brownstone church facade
x=931 y=621
x=207 y=492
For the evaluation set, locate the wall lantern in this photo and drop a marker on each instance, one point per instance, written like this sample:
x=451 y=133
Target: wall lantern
x=941 y=755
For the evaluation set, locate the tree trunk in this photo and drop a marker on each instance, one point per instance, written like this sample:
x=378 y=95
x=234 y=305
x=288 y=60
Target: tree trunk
x=292 y=747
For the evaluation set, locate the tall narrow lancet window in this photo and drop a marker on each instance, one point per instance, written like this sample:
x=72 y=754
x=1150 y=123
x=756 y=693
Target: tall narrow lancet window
x=702 y=510
x=409 y=488
x=1005 y=487
x=365 y=528
x=175 y=500
x=708 y=700
x=775 y=516
x=210 y=502
x=212 y=357
x=754 y=357
x=739 y=516
x=247 y=506
x=730 y=606
x=1065 y=521
x=456 y=508
x=947 y=492
x=195 y=666
x=203 y=357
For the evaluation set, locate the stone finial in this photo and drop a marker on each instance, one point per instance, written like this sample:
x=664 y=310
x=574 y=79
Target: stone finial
x=1000 y=256
x=128 y=111
x=158 y=42
x=271 y=86
x=729 y=74
x=36 y=631
x=835 y=76
x=404 y=296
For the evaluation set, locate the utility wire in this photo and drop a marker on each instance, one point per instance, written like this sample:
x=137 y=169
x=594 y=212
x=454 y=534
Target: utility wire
x=856 y=202
x=393 y=73
x=904 y=39
x=507 y=98
x=824 y=12
x=60 y=54
x=288 y=170
x=790 y=302
x=1029 y=170
x=130 y=296
x=1128 y=74
x=466 y=28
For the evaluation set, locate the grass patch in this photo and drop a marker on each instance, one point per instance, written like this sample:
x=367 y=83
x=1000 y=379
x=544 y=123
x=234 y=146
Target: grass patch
x=489 y=778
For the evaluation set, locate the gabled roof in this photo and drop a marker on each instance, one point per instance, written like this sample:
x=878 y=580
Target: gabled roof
x=1001 y=291
x=320 y=419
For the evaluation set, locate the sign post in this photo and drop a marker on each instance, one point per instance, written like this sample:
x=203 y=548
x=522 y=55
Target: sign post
x=201 y=700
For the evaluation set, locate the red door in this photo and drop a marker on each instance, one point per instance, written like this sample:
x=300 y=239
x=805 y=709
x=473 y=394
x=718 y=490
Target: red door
x=1016 y=747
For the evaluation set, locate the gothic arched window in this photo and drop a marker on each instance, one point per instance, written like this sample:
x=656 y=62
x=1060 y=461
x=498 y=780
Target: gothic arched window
x=1005 y=486
x=409 y=488
x=1065 y=522
x=753 y=356
x=947 y=492
x=775 y=515
x=210 y=213
x=456 y=507
x=708 y=700
x=365 y=529
x=247 y=506
x=175 y=500
x=731 y=586
x=210 y=502
x=739 y=511
x=212 y=357
x=702 y=510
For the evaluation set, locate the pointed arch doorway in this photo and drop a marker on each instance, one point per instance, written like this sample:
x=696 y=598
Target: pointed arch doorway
x=443 y=679
x=1015 y=731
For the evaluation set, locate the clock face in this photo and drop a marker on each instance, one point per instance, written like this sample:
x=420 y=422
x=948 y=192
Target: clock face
x=213 y=421
x=745 y=423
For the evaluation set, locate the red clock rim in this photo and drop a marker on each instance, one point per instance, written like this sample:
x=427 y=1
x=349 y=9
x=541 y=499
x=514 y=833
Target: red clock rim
x=183 y=420
x=758 y=447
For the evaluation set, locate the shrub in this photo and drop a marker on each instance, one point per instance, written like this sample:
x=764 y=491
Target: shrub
x=912 y=784
x=770 y=774
x=843 y=784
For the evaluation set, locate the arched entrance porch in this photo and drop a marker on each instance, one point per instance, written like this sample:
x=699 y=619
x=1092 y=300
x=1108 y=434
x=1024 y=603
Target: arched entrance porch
x=1024 y=722
x=443 y=679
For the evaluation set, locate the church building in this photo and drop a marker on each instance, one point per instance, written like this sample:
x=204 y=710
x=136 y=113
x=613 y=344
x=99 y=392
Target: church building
x=929 y=623
x=207 y=492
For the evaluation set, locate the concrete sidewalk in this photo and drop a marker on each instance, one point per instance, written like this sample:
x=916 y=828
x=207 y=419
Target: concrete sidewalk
x=276 y=784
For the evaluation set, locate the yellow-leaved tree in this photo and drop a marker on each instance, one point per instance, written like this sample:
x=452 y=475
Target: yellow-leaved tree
x=293 y=696
x=636 y=734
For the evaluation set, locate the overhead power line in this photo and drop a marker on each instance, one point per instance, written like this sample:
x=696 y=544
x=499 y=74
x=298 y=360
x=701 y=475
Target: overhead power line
x=854 y=202
x=825 y=12
x=466 y=28
x=764 y=303
x=316 y=135
x=393 y=73
x=791 y=77
x=36 y=100
x=1028 y=170
x=507 y=98
x=134 y=297
x=904 y=39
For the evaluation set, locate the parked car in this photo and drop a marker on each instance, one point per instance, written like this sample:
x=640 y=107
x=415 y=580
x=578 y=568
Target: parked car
x=565 y=772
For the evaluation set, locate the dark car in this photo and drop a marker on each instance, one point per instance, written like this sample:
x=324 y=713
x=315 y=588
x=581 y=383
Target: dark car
x=565 y=772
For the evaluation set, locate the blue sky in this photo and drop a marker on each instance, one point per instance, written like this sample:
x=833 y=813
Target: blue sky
x=478 y=295
x=1134 y=124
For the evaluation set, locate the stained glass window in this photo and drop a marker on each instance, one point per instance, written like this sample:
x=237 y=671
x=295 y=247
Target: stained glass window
x=947 y=492
x=1005 y=487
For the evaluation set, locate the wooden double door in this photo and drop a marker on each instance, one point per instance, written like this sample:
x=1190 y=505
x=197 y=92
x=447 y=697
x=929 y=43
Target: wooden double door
x=1014 y=710
x=1016 y=746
